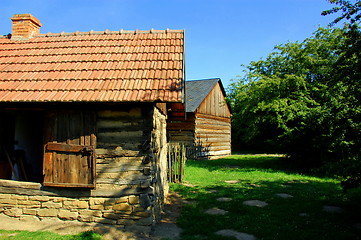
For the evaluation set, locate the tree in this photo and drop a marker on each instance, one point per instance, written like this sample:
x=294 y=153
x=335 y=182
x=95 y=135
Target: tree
x=350 y=11
x=303 y=99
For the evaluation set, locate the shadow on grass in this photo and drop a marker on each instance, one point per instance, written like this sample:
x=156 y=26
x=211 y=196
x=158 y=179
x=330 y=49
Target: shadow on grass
x=298 y=217
x=256 y=162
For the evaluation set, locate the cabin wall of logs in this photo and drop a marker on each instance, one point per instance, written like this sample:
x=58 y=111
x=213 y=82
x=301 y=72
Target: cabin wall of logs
x=206 y=132
x=121 y=150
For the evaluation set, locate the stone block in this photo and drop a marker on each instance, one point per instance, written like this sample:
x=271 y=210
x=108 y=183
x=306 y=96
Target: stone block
x=97 y=201
x=122 y=207
x=8 y=201
x=133 y=200
x=57 y=199
x=111 y=215
x=67 y=214
x=123 y=215
x=121 y=200
x=126 y=222
x=96 y=207
x=93 y=213
x=39 y=198
x=13 y=212
x=145 y=213
x=30 y=211
x=5 y=196
x=48 y=212
x=51 y=204
x=138 y=208
x=84 y=218
x=30 y=206
x=110 y=207
x=75 y=204
x=28 y=202
x=19 y=197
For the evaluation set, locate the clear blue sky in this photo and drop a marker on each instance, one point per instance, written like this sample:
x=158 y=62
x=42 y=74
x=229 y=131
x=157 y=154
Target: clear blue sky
x=220 y=34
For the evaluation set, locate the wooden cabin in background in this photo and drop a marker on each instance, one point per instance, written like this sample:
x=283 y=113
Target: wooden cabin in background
x=203 y=123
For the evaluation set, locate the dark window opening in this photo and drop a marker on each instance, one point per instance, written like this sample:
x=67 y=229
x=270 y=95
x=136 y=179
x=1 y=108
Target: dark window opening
x=21 y=145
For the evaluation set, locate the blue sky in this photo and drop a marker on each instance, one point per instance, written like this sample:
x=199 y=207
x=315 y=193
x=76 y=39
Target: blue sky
x=220 y=34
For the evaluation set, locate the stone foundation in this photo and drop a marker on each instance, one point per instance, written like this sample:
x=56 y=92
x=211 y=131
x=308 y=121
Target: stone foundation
x=122 y=211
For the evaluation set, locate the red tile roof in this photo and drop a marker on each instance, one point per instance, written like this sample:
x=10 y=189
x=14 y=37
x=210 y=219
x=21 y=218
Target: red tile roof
x=105 y=66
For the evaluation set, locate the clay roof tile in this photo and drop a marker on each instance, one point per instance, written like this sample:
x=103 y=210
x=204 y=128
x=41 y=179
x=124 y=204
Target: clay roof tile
x=93 y=66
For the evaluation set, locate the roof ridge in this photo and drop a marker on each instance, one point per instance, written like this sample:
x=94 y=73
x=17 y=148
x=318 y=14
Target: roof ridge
x=121 y=31
x=206 y=79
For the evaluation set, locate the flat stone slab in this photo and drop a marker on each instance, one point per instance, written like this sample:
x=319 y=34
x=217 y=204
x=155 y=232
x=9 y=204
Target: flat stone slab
x=212 y=191
x=231 y=181
x=216 y=211
x=235 y=234
x=224 y=199
x=254 y=185
x=304 y=215
x=167 y=230
x=332 y=209
x=284 y=195
x=255 y=203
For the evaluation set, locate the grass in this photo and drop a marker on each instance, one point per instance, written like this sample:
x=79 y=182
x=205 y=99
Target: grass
x=261 y=177
x=39 y=235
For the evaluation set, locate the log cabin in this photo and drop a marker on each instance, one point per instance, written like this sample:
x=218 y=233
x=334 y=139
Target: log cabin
x=203 y=122
x=83 y=123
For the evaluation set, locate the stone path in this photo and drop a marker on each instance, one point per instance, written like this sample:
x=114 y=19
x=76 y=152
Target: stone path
x=332 y=209
x=224 y=199
x=232 y=181
x=261 y=204
x=255 y=203
x=284 y=195
x=235 y=234
x=216 y=211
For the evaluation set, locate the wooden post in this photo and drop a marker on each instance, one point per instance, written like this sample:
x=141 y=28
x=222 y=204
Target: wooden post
x=176 y=162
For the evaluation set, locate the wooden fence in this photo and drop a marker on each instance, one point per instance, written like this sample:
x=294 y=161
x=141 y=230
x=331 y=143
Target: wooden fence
x=176 y=162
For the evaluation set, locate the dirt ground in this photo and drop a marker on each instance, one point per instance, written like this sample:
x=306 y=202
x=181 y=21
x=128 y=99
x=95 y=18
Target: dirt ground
x=166 y=228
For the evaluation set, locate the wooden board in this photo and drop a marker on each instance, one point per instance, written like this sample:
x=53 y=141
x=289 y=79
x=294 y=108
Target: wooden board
x=69 y=150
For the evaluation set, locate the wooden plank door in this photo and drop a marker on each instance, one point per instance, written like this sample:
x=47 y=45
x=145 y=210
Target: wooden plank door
x=69 y=149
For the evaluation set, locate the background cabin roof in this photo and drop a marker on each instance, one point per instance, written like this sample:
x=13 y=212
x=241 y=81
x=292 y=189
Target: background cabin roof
x=107 y=66
x=197 y=91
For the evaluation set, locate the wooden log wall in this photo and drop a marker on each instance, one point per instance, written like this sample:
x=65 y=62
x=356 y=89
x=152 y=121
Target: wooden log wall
x=132 y=153
x=122 y=149
x=182 y=131
x=212 y=136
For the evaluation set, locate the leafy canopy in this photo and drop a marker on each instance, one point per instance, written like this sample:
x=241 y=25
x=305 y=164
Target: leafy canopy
x=303 y=99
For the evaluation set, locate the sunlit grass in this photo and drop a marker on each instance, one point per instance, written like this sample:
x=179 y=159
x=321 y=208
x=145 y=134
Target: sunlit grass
x=40 y=235
x=261 y=178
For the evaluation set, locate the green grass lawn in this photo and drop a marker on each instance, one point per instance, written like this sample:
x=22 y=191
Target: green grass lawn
x=39 y=235
x=261 y=178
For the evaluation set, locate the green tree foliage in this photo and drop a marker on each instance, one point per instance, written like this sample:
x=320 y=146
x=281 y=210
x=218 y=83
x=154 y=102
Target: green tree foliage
x=304 y=100
x=349 y=11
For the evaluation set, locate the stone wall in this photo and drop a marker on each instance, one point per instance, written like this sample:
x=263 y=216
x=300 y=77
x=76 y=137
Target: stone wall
x=122 y=211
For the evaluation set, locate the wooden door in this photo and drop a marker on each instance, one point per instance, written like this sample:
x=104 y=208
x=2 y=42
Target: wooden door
x=69 y=149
